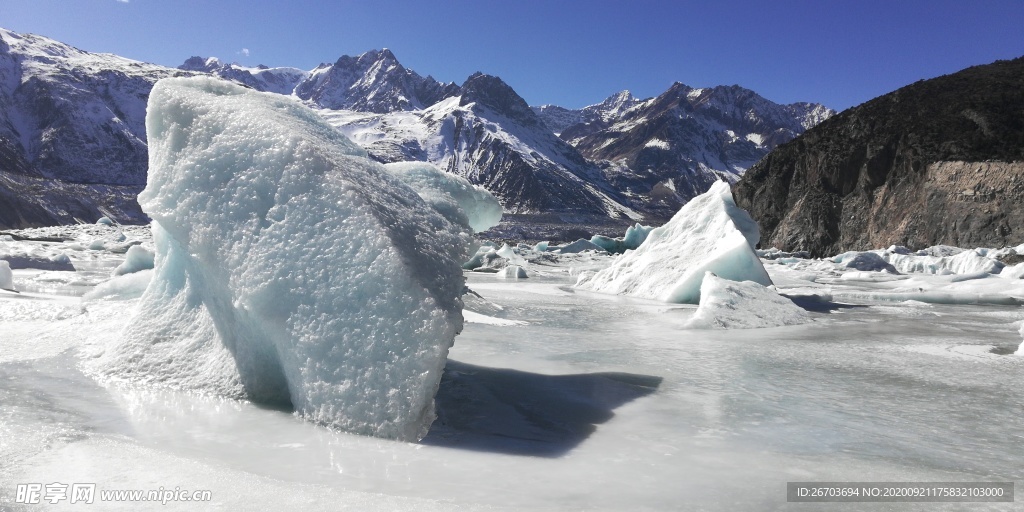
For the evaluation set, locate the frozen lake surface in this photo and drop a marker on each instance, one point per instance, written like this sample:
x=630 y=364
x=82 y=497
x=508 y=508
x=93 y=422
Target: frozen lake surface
x=552 y=399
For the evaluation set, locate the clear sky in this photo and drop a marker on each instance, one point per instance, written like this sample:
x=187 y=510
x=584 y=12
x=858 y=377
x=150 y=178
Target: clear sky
x=571 y=53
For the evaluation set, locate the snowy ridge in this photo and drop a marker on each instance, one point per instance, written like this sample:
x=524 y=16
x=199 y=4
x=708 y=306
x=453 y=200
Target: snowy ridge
x=262 y=78
x=75 y=117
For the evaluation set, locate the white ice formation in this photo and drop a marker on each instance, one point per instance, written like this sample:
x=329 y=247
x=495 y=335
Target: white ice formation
x=290 y=268
x=453 y=196
x=708 y=234
x=6 y=276
x=726 y=304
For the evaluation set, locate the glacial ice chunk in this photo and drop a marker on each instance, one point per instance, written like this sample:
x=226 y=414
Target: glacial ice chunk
x=512 y=272
x=290 y=268
x=708 y=234
x=726 y=304
x=6 y=276
x=137 y=258
x=453 y=196
x=962 y=262
x=635 y=235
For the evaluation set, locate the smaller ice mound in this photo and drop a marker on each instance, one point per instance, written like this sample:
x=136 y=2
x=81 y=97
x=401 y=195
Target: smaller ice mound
x=635 y=235
x=512 y=272
x=6 y=276
x=864 y=262
x=954 y=262
x=23 y=256
x=708 y=234
x=1020 y=349
x=726 y=304
x=122 y=287
x=458 y=200
x=577 y=247
x=104 y=221
x=137 y=258
x=1013 y=272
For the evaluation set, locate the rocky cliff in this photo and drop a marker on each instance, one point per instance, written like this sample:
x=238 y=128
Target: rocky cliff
x=936 y=162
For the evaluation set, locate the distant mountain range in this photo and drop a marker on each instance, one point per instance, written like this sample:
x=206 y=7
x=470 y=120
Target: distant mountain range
x=940 y=161
x=72 y=133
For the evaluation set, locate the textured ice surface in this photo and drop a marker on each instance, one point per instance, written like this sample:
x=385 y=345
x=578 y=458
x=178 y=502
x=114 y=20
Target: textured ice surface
x=453 y=196
x=290 y=268
x=726 y=304
x=708 y=234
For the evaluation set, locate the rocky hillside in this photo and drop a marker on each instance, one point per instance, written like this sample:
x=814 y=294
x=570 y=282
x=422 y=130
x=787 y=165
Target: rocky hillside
x=936 y=162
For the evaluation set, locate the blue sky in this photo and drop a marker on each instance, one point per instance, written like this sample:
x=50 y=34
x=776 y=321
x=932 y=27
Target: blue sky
x=840 y=53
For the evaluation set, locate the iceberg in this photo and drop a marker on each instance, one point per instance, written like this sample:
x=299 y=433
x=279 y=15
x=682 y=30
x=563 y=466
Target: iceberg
x=513 y=272
x=708 y=234
x=6 y=276
x=290 y=269
x=635 y=235
x=728 y=304
x=136 y=259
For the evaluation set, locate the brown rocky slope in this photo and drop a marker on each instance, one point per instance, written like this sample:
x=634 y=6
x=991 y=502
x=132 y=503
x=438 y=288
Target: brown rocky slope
x=940 y=161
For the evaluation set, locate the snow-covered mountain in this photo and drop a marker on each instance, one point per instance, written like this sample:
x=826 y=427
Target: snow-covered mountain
x=261 y=78
x=73 y=148
x=72 y=131
x=666 y=150
x=488 y=134
x=372 y=82
x=559 y=118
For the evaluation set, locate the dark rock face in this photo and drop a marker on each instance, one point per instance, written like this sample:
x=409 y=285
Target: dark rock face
x=940 y=161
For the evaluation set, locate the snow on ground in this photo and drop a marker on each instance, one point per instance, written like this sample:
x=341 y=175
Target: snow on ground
x=553 y=398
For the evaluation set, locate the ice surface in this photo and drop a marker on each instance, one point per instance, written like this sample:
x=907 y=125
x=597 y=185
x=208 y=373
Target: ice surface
x=726 y=304
x=453 y=196
x=708 y=234
x=290 y=268
x=6 y=276
x=550 y=396
x=137 y=258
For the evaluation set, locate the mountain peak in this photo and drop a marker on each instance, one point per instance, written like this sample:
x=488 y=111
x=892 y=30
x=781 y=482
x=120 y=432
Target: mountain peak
x=493 y=92
x=374 y=81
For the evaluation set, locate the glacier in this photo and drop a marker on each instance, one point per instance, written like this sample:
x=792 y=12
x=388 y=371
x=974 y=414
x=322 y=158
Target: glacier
x=708 y=234
x=290 y=269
